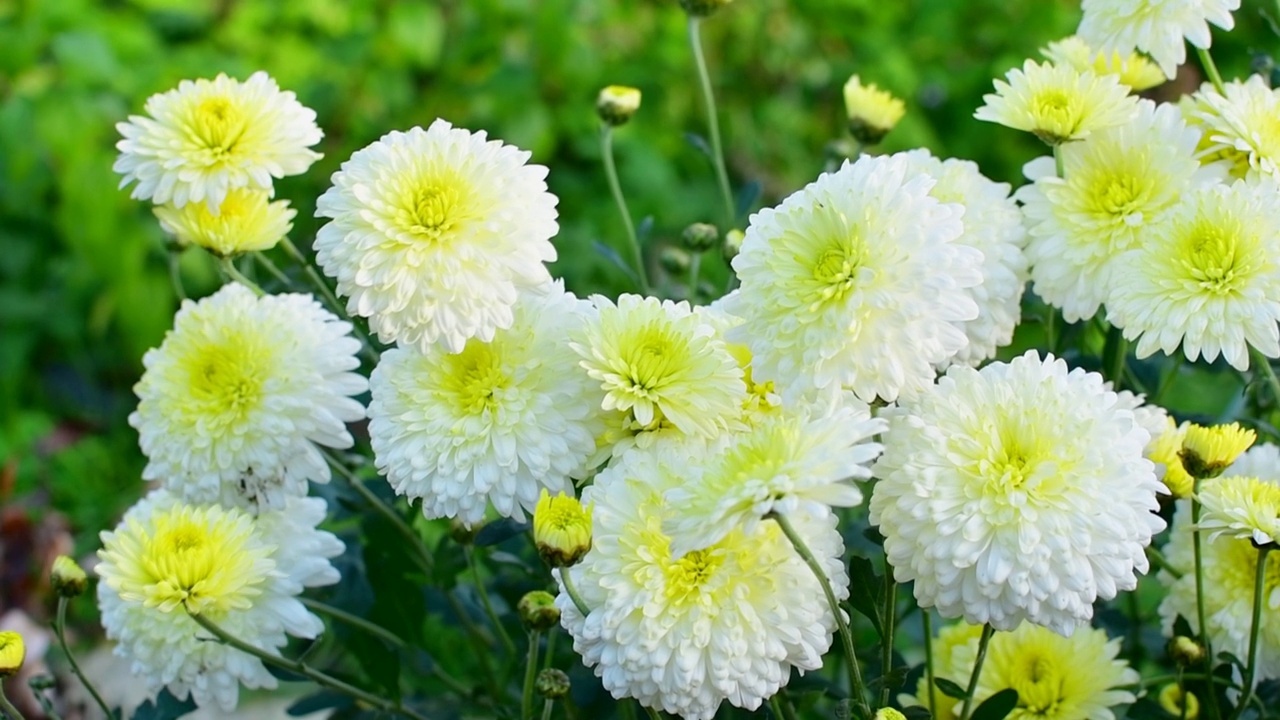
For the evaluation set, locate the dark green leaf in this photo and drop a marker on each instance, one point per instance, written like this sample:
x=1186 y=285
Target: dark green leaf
x=698 y=142
x=948 y=688
x=895 y=678
x=323 y=700
x=917 y=712
x=866 y=589
x=998 y=706
x=499 y=531
x=747 y=197
x=614 y=258
x=164 y=707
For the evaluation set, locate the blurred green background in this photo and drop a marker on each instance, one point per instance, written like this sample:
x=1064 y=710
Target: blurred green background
x=84 y=280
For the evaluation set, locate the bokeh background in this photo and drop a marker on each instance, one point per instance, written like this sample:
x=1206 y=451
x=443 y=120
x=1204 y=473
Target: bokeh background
x=84 y=274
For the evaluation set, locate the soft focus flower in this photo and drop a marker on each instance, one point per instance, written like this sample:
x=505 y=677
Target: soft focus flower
x=235 y=400
x=1241 y=507
x=1118 y=187
x=1156 y=27
x=209 y=136
x=1260 y=461
x=1017 y=492
x=67 y=577
x=561 y=529
x=872 y=112
x=1241 y=123
x=434 y=231
x=683 y=635
x=617 y=103
x=1166 y=452
x=663 y=364
x=1133 y=70
x=1179 y=703
x=949 y=655
x=1057 y=103
x=167 y=559
x=857 y=281
x=245 y=222
x=13 y=651
x=993 y=224
x=787 y=462
x=497 y=422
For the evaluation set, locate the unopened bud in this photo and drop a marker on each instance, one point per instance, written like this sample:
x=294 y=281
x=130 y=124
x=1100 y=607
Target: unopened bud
x=538 y=611
x=68 y=578
x=617 y=103
x=12 y=652
x=732 y=244
x=702 y=8
x=1185 y=651
x=872 y=112
x=700 y=237
x=552 y=684
x=1207 y=451
x=674 y=260
x=561 y=529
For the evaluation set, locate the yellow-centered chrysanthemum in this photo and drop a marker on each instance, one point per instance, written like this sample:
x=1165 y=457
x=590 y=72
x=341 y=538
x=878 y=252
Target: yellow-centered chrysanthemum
x=1241 y=124
x=209 y=136
x=561 y=529
x=1132 y=70
x=13 y=651
x=1160 y=28
x=1241 y=507
x=872 y=112
x=1057 y=103
x=245 y=222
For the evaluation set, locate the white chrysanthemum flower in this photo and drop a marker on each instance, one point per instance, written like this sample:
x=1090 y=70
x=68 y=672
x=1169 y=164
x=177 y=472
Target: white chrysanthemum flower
x=1017 y=492
x=235 y=400
x=993 y=225
x=663 y=364
x=1229 y=567
x=167 y=558
x=498 y=422
x=725 y=623
x=1119 y=185
x=1208 y=279
x=1152 y=418
x=209 y=136
x=1260 y=461
x=1057 y=103
x=857 y=281
x=1132 y=70
x=434 y=231
x=1241 y=124
x=1241 y=507
x=1156 y=27
x=786 y=463
x=245 y=222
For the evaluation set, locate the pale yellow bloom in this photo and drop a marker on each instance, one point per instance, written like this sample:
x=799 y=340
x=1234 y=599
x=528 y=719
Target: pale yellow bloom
x=872 y=112
x=1207 y=451
x=1058 y=103
x=245 y=222
x=1133 y=70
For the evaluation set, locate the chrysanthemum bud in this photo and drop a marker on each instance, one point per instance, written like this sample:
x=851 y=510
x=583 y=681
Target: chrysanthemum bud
x=674 y=260
x=1185 y=651
x=617 y=103
x=538 y=611
x=68 y=578
x=1172 y=699
x=872 y=111
x=552 y=684
x=887 y=713
x=732 y=244
x=1207 y=451
x=561 y=529
x=702 y=8
x=700 y=237
x=12 y=652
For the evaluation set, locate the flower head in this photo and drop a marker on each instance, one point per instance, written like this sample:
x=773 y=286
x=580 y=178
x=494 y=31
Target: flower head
x=617 y=103
x=1156 y=27
x=1208 y=450
x=235 y=400
x=561 y=529
x=1017 y=492
x=209 y=136
x=496 y=423
x=245 y=222
x=13 y=651
x=434 y=231
x=1241 y=123
x=1057 y=103
x=872 y=112
x=1241 y=507
x=67 y=577
x=1132 y=70
x=857 y=281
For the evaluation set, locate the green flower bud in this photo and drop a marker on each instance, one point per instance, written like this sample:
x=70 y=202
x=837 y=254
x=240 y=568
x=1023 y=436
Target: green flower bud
x=552 y=684
x=617 y=103
x=68 y=578
x=674 y=260
x=538 y=611
x=700 y=237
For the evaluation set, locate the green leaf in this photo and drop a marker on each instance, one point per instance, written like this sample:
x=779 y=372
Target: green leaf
x=866 y=590
x=322 y=700
x=164 y=707
x=499 y=531
x=949 y=688
x=917 y=712
x=998 y=706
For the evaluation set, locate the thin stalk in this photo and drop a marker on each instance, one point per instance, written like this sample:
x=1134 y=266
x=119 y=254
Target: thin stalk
x=1251 y=666
x=1211 y=69
x=926 y=617
x=694 y=266
x=983 y=642
x=551 y=647
x=1051 y=330
x=1200 y=606
x=60 y=629
x=713 y=124
x=857 y=690
x=530 y=672
x=890 y=619
x=316 y=676
x=318 y=282
x=1058 y=163
x=175 y=274
x=782 y=707
x=1166 y=378
x=653 y=714
x=409 y=534
x=272 y=269
x=232 y=272
x=8 y=707
x=569 y=588
x=615 y=187
x=1114 y=352
x=1269 y=372
x=1182 y=692
x=546 y=708
x=1155 y=680
x=1160 y=561
x=626 y=710
x=507 y=644
x=353 y=620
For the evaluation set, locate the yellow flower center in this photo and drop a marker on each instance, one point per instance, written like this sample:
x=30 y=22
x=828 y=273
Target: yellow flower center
x=474 y=378
x=1210 y=256
x=649 y=362
x=226 y=377
x=835 y=271
x=436 y=208
x=1056 y=117
x=686 y=576
x=1039 y=683
x=218 y=124
x=1119 y=195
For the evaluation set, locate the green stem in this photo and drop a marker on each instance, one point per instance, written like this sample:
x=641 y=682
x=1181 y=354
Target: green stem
x=1200 y=605
x=569 y=588
x=857 y=690
x=694 y=266
x=926 y=617
x=1211 y=69
x=8 y=707
x=1251 y=663
x=890 y=615
x=1182 y=697
x=713 y=124
x=1155 y=680
x=316 y=676
x=272 y=269
x=983 y=642
x=175 y=273
x=60 y=629
x=1058 y=164
x=1167 y=377
x=550 y=657
x=611 y=174
x=507 y=644
x=653 y=714
x=546 y=708
x=782 y=707
x=1113 y=355
x=1051 y=329
x=530 y=673
x=1269 y=372
x=422 y=553
x=353 y=620
x=371 y=353
x=232 y=272
x=1161 y=562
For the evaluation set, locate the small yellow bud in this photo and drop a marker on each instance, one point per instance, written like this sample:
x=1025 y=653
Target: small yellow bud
x=872 y=111
x=702 y=8
x=68 y=578
x=700 y=237
x=1172 y=698
x=538 y=611
x=12 y=653
x=674 y=260
x=561 y=529
x=732 y=244
x=889 y=714
x=1185 y=651
x=1207 y=451
x=552 y=684
x=617 y=103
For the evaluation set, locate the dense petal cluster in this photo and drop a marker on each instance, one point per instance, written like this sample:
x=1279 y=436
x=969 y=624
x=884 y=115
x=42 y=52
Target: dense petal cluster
x=1132 y=70
x=1241 y=507
x=1159 y=28
x=245 y=222
x=1057 y=103
x=434 y=231
x=236 y=399
x=1241 y=123
x=1018 y=492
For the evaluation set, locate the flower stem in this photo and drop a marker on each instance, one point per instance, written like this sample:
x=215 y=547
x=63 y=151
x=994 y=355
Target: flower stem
x=175 y=274
x=8 y=709
x=272 y=269
x=371 y=353
x=1251 y=663
x=694 y=266
x=782 y=707
x=353 y=620
x=1211 y=69
x=573 y=592
x=507 y=644
x=60 y=629
x=983 y=642
x=422 y=553
x=1161 y=562
x=611 y=174
x=1269 y=372
x=926 y=617
x=857 y=690
x=1058 y=164
x=890 y=615
x=530 y=672
x=713 y=124
x=316 y=676
x=546 y=708
x=1200 y=608
x=653 y=714
x=1113 y=356
x=1167 y=377
x=229 y=267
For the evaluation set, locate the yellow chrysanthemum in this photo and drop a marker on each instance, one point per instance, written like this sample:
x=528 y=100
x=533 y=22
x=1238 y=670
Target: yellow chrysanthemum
x=13 y=651
x=1179 y=703
x=1241 y=507
x=1207 y=451
x=1057 y=103
x=872 y=112
x=1166 y=449
x=1133 y=70
x=561 y=529
x=245 y=222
